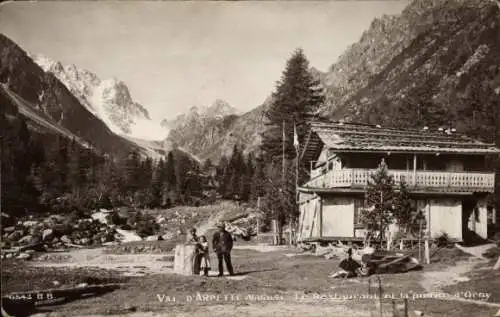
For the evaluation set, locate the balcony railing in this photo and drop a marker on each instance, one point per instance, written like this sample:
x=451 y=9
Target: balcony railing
x=449 y=181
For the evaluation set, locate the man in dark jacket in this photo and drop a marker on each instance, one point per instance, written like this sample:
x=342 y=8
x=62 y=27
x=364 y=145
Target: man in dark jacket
x=222 y=243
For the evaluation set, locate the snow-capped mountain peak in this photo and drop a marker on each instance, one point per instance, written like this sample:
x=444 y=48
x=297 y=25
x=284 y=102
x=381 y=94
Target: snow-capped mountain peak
x=109 y=100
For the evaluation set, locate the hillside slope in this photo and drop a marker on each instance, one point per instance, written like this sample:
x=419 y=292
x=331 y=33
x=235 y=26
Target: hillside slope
x=36 y=119
x=49 y=96
x=449 y=75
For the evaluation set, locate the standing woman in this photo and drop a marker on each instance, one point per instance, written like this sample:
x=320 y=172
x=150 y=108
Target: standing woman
x=192 y=239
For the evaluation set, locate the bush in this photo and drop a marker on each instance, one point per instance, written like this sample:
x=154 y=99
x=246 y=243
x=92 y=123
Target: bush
x=115 y=219
x=147 y=227
x=105 y=202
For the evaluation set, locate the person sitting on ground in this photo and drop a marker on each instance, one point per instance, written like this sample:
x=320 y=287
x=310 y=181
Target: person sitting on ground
x=205 y=258
x=349 y=265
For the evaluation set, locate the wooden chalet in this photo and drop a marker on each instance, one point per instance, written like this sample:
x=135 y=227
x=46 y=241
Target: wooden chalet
x=447 y=175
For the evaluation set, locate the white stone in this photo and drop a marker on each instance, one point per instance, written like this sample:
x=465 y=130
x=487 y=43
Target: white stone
x=24 y=256
x=47 y=234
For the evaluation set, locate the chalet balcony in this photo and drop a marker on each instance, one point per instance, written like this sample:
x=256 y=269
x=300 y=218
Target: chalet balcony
x=419 y=180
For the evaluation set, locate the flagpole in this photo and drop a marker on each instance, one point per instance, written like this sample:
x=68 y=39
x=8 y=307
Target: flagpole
x=296 y=145
x=283 y=155
x=282 y=177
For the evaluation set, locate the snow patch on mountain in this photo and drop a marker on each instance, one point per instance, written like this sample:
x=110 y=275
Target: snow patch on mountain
x=109 y=100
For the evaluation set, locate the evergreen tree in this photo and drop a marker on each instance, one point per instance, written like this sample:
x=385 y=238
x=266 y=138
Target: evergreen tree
x=380 y=199
x=18 y=191
x=246 y=179
x=295 y=100
x=76 y=172
x=258 y=179
x=170 y=174
x=404 y=209
x=132 y=174
x=222 y=172
x=237 y=170
x=208 y=166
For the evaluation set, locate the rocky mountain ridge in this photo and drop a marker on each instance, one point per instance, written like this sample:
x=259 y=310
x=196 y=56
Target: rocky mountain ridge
x=213 y=131
x=446 y=72
x=49 y=106
x=446 y=46
x=109 y=100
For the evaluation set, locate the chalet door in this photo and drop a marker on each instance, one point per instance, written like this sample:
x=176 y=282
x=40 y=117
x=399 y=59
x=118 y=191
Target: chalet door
x=338 y=217
x=446 y=217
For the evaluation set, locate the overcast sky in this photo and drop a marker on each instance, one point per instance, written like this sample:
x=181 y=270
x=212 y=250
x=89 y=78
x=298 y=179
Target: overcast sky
x=174 y=55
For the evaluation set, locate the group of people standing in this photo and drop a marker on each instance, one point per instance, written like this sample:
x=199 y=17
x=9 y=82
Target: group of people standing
x=222 y=244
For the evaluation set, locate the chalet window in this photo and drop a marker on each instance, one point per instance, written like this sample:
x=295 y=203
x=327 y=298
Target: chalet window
x=330 y=165
x=359 y=206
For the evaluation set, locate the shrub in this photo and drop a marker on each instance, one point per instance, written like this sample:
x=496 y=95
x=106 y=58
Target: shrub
x=115 y=219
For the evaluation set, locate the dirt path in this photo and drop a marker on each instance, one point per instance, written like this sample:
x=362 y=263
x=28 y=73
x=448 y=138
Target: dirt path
x=435 y=280
x=477 y=251
x=127 y=264
x=279 y=309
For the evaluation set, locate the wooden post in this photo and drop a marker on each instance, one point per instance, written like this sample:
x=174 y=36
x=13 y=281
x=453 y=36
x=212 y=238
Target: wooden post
x=394 y=309
x=370 y=292
x=420 y=242
x=273 y=224
x=406 y=307
x=320 y=231
x=414 y=170
x=258 y=221
x=380 y=295
x=427 y=251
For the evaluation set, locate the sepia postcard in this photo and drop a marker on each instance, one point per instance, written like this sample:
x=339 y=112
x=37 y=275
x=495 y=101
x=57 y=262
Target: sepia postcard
x=250 y=158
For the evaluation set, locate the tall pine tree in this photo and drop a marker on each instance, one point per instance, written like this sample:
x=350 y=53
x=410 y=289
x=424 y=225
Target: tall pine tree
x=296 y=98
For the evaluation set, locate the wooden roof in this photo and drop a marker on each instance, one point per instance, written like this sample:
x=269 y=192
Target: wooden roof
x=349 y=137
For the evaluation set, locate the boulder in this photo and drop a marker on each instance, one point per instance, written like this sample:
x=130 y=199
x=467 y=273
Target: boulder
x=24 y=256
x=85 y=241
x=152 y=238
x=9 y=229
x=15 y=236
x=47 y=234
x=30 y=223
x=26 y=239
x=58 y=218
